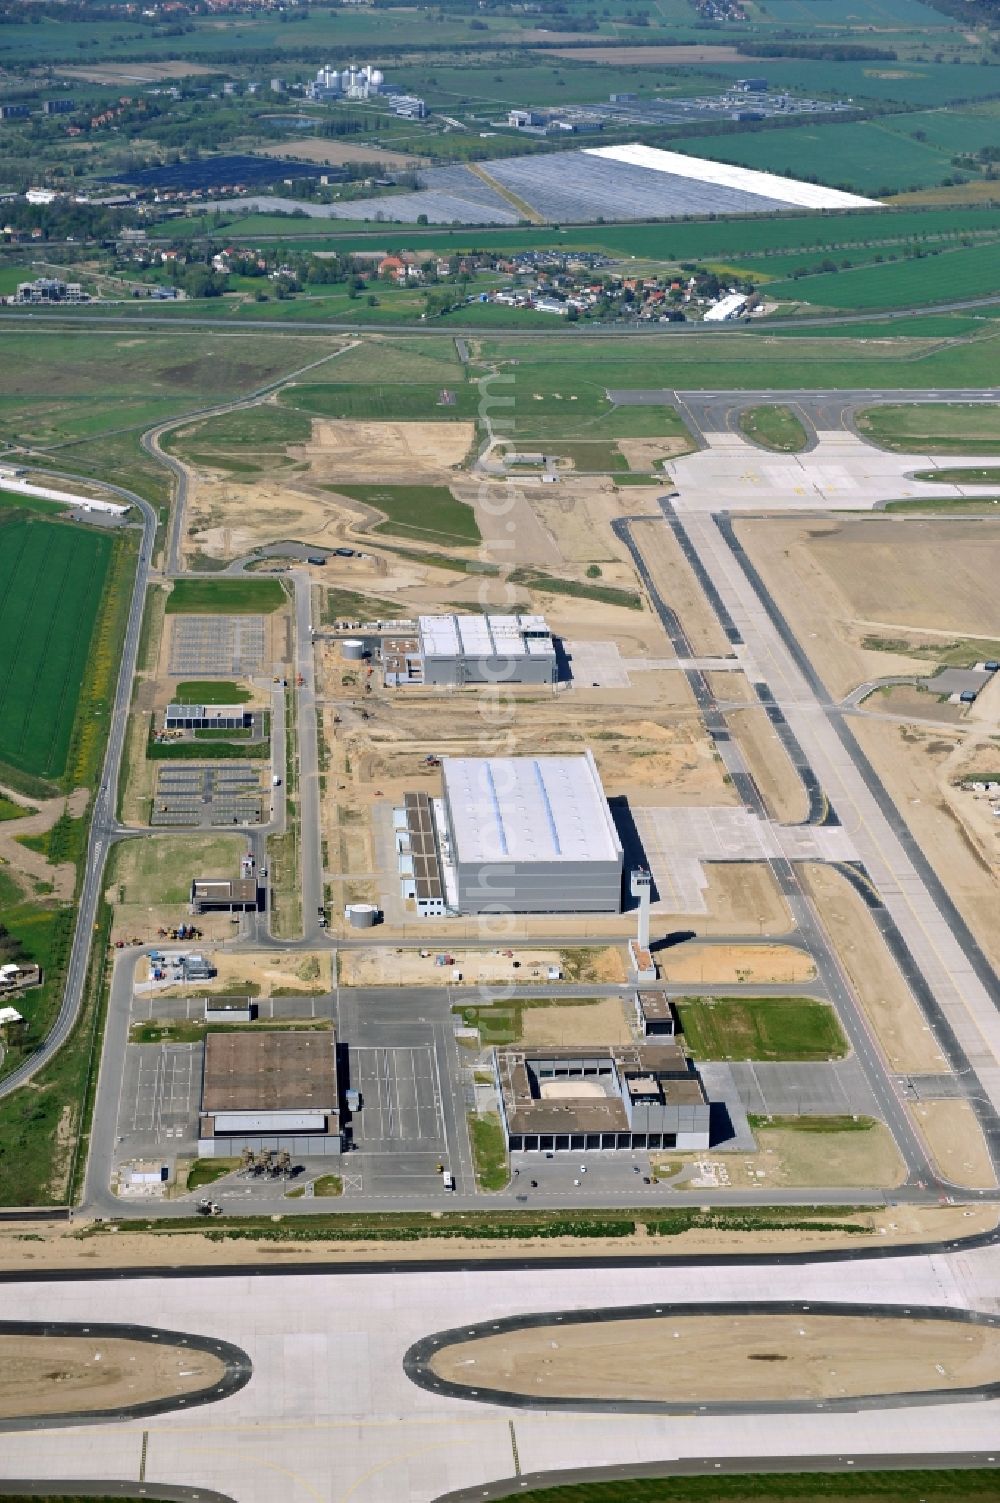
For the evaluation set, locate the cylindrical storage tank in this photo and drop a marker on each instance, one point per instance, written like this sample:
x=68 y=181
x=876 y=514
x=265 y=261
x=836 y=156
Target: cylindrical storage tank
x=353 y=649
x=362 y=915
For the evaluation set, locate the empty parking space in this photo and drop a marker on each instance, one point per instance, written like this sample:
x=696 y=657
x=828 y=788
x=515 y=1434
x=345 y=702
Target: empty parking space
x=221 y=793
x=401 y=1098
x=160 y=1092
x=836 y=1089
x=217 y=644
x=597 y=664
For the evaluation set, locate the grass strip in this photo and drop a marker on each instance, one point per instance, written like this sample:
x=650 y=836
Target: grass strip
x=535 y=579
x=785 y=1487
x=225 y=597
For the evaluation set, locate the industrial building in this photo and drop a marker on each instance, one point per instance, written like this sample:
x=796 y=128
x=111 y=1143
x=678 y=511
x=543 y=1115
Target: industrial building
x=224 y=895
x=511 y=834
x=50 y=290
x=449 y=651
x=272 y=1089
x=208 y=718
x=349 y=83
x=618 y=1099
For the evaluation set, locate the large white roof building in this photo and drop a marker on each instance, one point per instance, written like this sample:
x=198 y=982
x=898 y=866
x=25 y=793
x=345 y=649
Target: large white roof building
x=531 y=834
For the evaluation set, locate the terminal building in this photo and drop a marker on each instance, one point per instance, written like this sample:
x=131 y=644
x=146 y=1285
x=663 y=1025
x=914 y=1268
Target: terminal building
x=450 y=651
x=511 y=834
x=270 y=1090
x=224 y=895
x=625 y=1097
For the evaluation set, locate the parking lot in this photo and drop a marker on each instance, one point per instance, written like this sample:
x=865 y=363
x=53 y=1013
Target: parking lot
x=208 y=794
x=217 y=644
x=158 y=1114
x=401 y=1097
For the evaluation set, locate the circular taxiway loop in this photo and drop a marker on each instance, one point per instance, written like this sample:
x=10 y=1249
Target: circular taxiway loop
x=236 y=1371
x=419 y=1357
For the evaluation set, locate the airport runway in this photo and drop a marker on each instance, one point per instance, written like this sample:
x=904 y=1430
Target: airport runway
x=329 y=1413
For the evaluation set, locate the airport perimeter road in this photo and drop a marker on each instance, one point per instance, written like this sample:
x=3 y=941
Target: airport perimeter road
x=151 y=442
x=104 y=827
x=963 y=985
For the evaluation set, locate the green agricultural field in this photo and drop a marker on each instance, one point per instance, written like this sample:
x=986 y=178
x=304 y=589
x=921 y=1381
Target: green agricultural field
x=837 y=1487
x=428 y=513
x=211 y=692
x=789 y=1028
x=930 y=428
x=52 y=579
x=776 y=428
x=386 y=403
x=225 y=597
x=932 y=278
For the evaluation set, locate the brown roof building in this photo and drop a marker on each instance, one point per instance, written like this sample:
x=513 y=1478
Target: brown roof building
x=270 y=1089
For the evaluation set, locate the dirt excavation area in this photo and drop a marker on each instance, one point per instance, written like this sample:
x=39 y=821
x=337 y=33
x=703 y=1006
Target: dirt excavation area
x=956 y=1143
x=869 y=596
x=711 y=1358
x=43 y=1375
x=289 y=494
x=601 y=1023
x=748 y=963
x=436 y=966
x=292 y=973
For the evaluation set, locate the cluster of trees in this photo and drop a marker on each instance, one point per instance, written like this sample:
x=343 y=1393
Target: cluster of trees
x=833 y=52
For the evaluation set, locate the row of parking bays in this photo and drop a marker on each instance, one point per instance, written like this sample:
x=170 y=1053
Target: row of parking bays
x=208 y=794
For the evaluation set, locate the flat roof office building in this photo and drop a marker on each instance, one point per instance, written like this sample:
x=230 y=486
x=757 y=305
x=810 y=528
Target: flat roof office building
x=617 y=1098
x=529 y=835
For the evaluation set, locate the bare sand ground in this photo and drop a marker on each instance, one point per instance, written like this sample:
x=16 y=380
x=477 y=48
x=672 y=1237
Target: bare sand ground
x=708 y=1358
x=55 y=1245
x=887 y=1002
x=136 y=72
x=780 y=786
x=913 y=702
x=389 y=967
x=956 y=1143
x=601 y=1022
x=841 y=581
x=229 y=515
x=956 y=833
x=720 y=964
x=645 y=453
x=678 y=586
x=336 y=154
x=30 y=866
x=795 y=1157
x=42 y=1375
x=306 y=973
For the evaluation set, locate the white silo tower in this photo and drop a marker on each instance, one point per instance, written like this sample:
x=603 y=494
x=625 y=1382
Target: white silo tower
x=377 y=79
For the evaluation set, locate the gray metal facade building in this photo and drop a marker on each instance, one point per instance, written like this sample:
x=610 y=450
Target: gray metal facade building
x=616 y=1099
x=530 y=835
x=472 y=649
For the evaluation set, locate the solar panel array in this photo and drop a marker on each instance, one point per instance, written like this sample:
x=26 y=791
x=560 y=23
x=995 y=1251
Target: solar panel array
x=439 y=207
x=575 y=187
